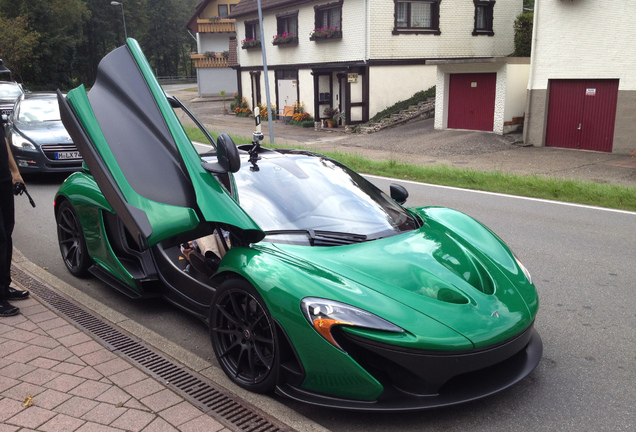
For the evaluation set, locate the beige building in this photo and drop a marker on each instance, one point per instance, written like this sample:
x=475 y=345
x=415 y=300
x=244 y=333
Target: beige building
x=215 y=34
x=362 y=56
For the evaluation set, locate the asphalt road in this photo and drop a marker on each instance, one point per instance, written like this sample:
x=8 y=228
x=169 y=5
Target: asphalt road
x=583 y=261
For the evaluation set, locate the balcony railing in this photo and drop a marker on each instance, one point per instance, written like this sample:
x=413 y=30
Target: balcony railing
x=203 y=61
x=221 y=25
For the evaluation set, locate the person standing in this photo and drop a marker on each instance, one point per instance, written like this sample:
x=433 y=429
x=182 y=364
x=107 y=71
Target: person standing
x=9 y=175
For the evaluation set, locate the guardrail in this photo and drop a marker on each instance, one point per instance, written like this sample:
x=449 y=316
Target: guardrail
x=177 y=79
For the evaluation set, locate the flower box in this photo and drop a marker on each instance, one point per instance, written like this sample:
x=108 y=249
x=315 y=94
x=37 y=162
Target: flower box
x=250 y=43
x=285 y=39
x=325 y=33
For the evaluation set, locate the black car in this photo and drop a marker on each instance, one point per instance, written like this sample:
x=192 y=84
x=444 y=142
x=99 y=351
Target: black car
x=38 y=139
x=9 y=93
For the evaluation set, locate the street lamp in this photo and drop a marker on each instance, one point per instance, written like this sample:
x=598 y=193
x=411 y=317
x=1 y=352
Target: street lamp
x=123 y=16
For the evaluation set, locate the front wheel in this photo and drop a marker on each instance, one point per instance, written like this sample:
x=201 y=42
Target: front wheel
x=71 y=240
x=244 y=336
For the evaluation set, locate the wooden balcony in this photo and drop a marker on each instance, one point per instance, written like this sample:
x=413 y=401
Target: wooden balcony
x=203 y=61
x=222 y=25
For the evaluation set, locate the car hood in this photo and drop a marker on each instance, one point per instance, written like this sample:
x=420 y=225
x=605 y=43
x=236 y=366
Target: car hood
x=140 y=156
x=51 y=132
x=471 y=283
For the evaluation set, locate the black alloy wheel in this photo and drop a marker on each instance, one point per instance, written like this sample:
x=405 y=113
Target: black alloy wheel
x=244 y=337
x=71 y=240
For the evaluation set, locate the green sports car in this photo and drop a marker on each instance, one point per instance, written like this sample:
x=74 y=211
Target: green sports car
x=328 y=290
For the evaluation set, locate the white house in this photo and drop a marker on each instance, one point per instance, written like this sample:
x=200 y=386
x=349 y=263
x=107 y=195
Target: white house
x=582 y=86
x=362 y=56
x=216 y=46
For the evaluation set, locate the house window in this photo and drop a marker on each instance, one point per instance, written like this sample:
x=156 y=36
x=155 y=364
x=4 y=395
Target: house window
x=329 y=15
x=223 y=11
x=483 y=18
x=252 y=30
x=417 y=16
x=287 y=23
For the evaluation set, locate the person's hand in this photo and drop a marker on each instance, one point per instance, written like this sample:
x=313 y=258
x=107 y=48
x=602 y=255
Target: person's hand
x=16 y=177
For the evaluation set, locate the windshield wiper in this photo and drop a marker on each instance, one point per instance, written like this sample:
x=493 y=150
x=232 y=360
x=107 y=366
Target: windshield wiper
x=323 y=238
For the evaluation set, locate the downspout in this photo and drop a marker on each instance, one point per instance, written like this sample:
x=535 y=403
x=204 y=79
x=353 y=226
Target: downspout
x=526 y=126
x=366 y=35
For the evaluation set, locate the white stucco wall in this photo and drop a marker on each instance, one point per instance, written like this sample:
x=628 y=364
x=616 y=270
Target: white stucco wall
x=456 y=23
x=404 y=81
x=516 y=88
x=584 y=39
x=212 y=81
x=349 y=48
x=217 y=42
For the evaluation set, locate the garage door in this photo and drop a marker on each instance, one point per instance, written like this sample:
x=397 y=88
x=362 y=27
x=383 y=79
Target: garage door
x=471 y=101
x=581 y=114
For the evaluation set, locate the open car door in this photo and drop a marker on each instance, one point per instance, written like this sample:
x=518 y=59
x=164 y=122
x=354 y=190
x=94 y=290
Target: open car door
x=140 y=156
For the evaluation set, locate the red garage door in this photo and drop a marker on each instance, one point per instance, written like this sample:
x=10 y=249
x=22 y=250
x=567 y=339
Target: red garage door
x=471 y=101
x=581 y=114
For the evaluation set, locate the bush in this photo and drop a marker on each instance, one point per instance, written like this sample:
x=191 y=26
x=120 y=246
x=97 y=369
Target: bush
x=308 y=122
x=523 y=34
x=242 y=109
x=264 y=112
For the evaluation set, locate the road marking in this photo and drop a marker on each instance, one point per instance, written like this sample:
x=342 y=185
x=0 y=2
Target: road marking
x=506 y=195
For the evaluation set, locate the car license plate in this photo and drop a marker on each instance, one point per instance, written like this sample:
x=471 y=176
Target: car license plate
x=68 y=155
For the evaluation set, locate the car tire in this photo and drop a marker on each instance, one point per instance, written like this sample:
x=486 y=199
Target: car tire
x=71 y=240
x=244 y=336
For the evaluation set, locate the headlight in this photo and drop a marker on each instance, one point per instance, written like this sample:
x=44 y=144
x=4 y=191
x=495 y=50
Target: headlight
x=19 y=141
x=524 y=270
x=326 y=314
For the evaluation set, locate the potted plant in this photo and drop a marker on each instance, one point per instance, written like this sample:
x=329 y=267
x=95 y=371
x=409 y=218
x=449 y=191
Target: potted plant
x=222 y=94
x=332 y=115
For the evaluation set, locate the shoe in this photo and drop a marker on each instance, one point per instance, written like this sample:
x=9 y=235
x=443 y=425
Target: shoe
x=201 y=263
x=16 y=294
x=7 y=310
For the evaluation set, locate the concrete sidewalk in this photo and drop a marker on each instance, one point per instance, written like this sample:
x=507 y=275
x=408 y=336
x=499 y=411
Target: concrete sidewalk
x=54 y=377
x=66 y=365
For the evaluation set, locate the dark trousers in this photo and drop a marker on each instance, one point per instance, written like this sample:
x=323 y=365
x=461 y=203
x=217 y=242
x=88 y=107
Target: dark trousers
x=7 y=222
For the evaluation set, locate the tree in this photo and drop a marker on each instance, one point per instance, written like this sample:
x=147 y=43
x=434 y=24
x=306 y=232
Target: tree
x=17 y=44
x=523 y=34
x=59 y=24
x=60 y=42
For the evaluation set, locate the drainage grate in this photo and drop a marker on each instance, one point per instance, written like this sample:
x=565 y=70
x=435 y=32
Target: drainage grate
x=236 y=414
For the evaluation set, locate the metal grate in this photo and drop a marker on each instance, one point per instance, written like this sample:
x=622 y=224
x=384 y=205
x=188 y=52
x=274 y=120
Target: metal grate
x=234 y=413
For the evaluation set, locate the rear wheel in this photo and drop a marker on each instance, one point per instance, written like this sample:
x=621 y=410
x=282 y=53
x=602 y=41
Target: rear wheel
x=244 y=337
x=71 y=240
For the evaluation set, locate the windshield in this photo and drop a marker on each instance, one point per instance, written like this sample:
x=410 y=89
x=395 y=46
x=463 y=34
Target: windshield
x=309 y=193
x=32 y=110
x=10 y=91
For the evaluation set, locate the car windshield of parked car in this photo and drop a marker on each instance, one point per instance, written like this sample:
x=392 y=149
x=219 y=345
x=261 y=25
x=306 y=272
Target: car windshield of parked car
x=10 y=91
x=300 y=193
x=39 y=110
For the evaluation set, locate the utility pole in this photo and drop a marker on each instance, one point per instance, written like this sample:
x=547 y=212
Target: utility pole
x=269 y=105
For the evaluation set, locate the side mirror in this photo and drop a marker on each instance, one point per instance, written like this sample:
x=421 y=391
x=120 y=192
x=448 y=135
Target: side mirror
x=399 y=193
x=227 y=155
